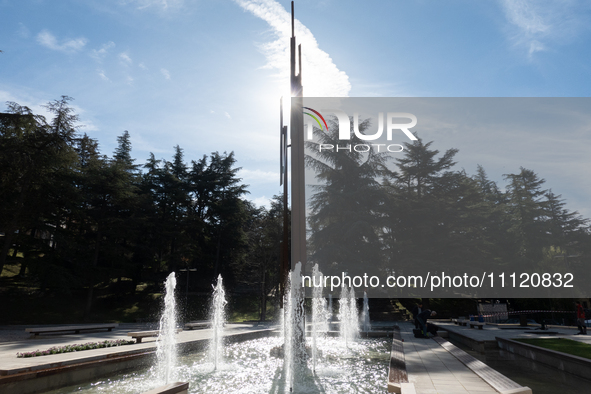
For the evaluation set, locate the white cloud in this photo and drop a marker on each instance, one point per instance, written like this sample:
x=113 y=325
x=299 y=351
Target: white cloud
x=320 y=76
x=142 y=66
x=165 y=72
x=227 y=115
x=536 y=25
x=262 y=202
x=258 y=176
x=142 y=144
x=99 y=54
x=125 y=59
x=101 y=74
x=157 y=4
x=48 y=40
x=87 y=126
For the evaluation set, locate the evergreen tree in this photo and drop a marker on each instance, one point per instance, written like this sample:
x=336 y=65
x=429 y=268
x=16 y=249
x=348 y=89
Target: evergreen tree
x=122 y=154
x=434 y=214
x=258 y=270
x=565 y=227
x=527 y=213
x=345 y=208
x=34 y=156
x=494 y=222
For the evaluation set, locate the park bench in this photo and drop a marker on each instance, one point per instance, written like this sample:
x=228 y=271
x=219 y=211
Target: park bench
x=139 y=335
x=197 y=325
x=478 y=324
x=75 y=329
x=463 y=322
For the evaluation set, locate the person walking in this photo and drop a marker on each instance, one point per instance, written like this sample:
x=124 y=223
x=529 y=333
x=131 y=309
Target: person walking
x=581 y=319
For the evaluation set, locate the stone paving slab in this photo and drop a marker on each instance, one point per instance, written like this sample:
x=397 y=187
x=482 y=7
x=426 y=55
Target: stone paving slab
x=433 y=370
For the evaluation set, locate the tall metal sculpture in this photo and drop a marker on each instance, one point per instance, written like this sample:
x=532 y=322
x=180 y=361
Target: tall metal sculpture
x=298 y=217
x=298 y=200
x=284 y=262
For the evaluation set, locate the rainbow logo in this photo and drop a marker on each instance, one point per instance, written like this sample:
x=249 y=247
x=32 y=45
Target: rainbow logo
x=315 y=118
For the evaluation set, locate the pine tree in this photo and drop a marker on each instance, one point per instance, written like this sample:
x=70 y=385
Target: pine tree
x=34 y=156
x=527 y=213
x=345 y=208
x=433 y=213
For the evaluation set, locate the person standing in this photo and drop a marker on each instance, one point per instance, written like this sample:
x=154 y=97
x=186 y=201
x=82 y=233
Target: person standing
x=422 y=318
x=581 y=319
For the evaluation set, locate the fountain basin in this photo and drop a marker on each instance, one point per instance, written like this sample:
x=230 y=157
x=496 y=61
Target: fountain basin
x=248 y=368
x=40 y=374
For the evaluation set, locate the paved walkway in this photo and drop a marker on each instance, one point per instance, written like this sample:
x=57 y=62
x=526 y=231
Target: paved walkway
x=434 y=370
x=491 y=331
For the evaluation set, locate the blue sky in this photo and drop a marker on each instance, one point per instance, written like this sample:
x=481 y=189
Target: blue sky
x=208 y=74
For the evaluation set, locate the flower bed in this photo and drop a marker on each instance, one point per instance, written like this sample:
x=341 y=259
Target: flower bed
x=75 y=348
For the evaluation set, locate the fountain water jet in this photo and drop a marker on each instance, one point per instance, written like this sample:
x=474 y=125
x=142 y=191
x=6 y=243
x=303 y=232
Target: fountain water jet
x=353 y=315
x=365 y=314
x=294 y=354
x=343 y=314
x=348 y=315
x=166 y=345
x=218 y=319
x=319 y=314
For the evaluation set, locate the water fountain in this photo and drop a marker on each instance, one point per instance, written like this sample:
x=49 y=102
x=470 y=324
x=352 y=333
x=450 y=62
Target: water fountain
x=295 y=357
x=365 y=314
x=218 y=320
x=343 y=314
x=166 y=345
x=348 y=315
x=353 y=316
x=246 y=365
x=319 y=323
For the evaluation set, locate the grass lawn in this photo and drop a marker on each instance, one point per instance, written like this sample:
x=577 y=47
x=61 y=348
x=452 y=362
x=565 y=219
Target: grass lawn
x=561 y=345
